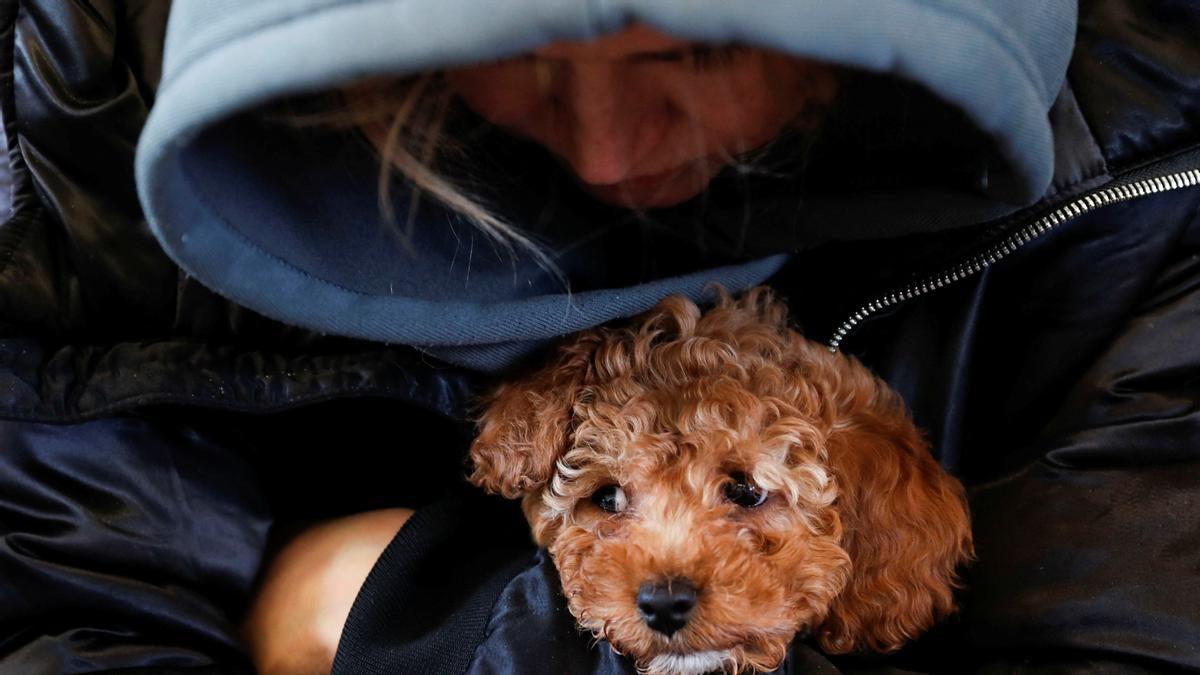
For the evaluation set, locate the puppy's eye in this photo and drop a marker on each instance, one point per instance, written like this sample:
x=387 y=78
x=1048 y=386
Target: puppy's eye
x=611 y=498
x=742 y=491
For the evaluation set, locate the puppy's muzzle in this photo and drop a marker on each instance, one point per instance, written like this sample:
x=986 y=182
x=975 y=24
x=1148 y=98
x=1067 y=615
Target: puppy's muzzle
x=666 y=605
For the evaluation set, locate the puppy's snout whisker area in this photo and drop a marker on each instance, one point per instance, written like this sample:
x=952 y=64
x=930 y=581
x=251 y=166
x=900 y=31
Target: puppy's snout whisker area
x=666 y=605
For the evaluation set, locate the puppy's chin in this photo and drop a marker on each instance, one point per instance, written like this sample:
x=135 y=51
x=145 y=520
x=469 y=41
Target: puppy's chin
x=765 y=655
x=696 y=663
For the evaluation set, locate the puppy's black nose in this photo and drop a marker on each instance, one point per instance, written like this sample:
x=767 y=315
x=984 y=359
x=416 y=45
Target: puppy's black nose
x=666 y=605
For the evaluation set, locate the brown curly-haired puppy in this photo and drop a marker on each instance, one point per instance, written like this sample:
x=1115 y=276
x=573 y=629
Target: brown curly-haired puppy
x=709 y=484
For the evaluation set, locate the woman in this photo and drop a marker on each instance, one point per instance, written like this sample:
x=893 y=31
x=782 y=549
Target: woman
x=996 y=215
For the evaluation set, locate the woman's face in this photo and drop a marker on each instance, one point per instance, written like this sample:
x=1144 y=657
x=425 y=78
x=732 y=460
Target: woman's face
x=641 y=118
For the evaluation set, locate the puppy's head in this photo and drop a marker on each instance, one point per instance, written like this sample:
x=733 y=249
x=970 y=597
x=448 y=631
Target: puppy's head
x=710 y=484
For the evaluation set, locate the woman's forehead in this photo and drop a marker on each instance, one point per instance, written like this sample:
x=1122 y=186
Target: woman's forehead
x=635 y=42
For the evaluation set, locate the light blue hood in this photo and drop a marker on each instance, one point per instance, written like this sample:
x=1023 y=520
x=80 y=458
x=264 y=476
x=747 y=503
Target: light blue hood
x=293 y=234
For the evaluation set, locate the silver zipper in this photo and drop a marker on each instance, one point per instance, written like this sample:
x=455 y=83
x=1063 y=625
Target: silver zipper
x=981 y=261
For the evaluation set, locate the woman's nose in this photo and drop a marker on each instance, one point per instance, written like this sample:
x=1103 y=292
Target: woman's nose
x=603 y=121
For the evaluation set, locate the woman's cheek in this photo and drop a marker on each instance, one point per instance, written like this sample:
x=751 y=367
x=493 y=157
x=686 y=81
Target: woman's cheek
x=752 y=104
x=505 y=95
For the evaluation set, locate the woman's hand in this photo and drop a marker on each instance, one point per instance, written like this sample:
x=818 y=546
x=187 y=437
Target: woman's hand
x=296 y=619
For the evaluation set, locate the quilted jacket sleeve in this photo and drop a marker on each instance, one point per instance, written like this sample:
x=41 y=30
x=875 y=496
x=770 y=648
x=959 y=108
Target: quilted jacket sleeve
x=125 y=542
x=76 y=256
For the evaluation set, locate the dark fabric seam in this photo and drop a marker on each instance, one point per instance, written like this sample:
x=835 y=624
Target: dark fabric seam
x=13 y=233
x=491 y=612
x=134 y=401
x=12 y=236
x=1087 y=124
x=206 y=200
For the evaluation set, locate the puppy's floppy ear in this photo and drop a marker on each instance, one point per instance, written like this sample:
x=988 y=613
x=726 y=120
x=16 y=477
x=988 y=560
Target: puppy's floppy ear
x=526 y=424
x=905 y=521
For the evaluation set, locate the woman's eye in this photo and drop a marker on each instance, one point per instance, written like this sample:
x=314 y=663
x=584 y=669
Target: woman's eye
x=712 y=58
x=611 y=498
x=742 y=491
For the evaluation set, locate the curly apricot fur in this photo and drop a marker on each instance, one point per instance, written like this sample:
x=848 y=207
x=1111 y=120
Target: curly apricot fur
x=860 y=538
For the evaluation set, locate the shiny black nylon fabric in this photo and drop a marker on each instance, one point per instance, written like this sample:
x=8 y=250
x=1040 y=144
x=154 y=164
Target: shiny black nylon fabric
x=1072 y=415
x=126 y=542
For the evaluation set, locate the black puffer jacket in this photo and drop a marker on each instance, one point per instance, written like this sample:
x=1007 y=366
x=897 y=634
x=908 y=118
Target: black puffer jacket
x=152 y=432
